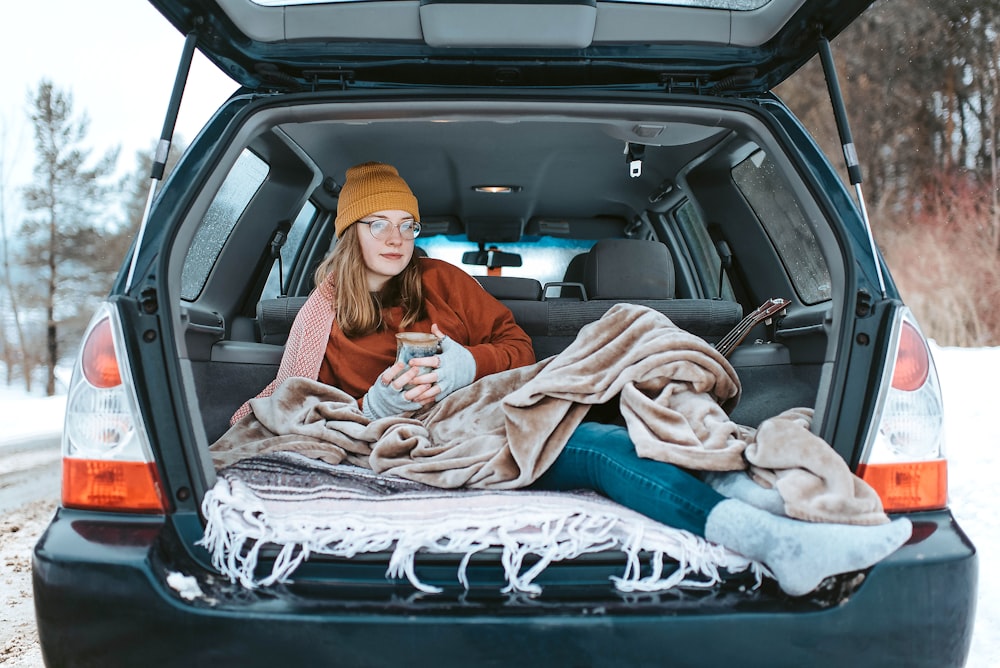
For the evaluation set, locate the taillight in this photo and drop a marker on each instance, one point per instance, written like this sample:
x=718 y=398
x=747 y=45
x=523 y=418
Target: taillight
x=904 y=459
x=913 y=359
x=97 y=358
x=107 y=462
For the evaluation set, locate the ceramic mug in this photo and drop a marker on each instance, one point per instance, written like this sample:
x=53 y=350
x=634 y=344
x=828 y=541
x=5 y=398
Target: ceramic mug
x=410 y=345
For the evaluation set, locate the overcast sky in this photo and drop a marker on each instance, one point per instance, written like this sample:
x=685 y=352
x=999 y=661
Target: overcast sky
x=118 y=58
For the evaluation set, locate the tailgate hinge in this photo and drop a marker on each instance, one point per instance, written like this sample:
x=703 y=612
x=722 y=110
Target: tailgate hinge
x=337 y=77
x=674 y=83
x=731 y=82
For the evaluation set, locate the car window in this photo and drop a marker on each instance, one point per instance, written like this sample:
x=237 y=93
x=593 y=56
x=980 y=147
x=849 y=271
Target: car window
x=278 y=278
x=543 y=257
x=244 y=179
x=758 y=178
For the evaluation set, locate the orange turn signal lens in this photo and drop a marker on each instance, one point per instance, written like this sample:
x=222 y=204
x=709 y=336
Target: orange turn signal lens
x=910 y=486
x=98 y=361
x=111 y=485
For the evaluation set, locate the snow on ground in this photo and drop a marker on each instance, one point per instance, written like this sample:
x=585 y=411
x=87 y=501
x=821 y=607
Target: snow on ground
x=972 y=436
x=973 y=449
x=24 y=417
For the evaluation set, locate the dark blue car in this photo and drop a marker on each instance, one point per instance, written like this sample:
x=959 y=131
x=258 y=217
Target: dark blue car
x=531 y=132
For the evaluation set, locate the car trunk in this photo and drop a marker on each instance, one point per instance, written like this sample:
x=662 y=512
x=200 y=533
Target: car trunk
x=624 y=132
x=574 y=178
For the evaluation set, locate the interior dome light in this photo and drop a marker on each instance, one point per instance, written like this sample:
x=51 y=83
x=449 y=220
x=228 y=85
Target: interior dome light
x=496 y=190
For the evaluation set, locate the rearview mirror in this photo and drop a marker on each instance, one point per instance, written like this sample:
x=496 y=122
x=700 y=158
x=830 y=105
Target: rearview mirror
x=491 y=258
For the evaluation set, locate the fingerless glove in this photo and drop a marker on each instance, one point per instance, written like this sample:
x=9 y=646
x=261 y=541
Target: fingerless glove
x=383 y=400
x=458 y=367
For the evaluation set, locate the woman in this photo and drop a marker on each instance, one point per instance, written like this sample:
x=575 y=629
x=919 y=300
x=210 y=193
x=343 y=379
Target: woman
x=372 y=286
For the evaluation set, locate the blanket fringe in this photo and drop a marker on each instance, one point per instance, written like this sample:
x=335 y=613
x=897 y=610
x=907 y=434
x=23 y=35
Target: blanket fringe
x=240 y=524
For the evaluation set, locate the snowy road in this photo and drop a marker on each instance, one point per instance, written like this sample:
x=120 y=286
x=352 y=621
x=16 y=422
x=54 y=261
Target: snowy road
x=29 y=471
x=29 y=489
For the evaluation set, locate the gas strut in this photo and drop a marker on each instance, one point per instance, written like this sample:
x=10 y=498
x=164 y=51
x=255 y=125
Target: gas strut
x=163 y=146
x=847 y=143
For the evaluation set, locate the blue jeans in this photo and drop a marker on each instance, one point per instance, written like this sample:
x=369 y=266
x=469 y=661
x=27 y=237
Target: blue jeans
x=602 y=458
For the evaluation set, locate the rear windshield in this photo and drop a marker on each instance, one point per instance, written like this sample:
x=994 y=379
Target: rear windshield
x=543 y=257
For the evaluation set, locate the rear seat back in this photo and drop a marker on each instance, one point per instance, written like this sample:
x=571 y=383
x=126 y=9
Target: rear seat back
x=628 y=269
x=556 y=323
x=635 y=271
x=614 y=271
x=275 y=317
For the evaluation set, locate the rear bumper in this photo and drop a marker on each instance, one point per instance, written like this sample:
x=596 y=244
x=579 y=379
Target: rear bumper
x=102 y=598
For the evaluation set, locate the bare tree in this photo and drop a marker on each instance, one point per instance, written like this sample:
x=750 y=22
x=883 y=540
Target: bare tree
x=135 y=190
x=12 y=353
x=921 y=83
x=69 y=202
x=892 y=75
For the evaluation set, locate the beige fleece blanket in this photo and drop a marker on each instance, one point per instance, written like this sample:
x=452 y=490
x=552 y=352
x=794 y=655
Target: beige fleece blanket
x=505 y=430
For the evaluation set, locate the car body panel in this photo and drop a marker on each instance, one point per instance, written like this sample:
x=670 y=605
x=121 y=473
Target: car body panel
x=120 y=567
x=312 y=46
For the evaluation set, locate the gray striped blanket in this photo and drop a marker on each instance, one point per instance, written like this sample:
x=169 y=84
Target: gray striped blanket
x=302 y=506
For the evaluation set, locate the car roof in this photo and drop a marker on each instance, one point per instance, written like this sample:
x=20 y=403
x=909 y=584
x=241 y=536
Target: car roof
x=698 y=46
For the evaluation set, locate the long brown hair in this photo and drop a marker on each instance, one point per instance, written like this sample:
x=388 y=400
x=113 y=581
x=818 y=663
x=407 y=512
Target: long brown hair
x=359 y=311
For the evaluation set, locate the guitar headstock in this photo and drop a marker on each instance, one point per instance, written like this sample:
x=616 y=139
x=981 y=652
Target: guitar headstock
x=763 y=313
x=766 y=311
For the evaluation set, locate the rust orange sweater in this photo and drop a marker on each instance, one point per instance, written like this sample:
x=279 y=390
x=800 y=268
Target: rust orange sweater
x=458 y=305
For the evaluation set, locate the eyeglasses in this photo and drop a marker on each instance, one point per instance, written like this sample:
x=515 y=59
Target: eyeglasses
x=380 y=228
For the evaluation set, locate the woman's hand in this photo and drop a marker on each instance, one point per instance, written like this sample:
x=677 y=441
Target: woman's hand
x=429 y=379
x=390 y=395
x=455 y=365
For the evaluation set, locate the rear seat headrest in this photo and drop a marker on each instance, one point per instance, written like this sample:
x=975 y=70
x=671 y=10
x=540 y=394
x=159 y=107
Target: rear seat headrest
x=629 y=269
x=511 y=287
x=574 y=270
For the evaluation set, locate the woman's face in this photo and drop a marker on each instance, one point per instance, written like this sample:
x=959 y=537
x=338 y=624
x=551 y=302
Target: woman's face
x=388 y=256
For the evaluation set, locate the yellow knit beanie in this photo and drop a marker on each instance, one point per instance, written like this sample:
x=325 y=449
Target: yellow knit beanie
x=371 y=187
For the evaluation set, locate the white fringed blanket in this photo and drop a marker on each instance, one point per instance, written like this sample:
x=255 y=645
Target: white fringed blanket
x=304 y=506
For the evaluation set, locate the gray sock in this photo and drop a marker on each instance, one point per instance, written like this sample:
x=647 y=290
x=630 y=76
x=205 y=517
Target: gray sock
x=802 y=554
x=739 y=485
